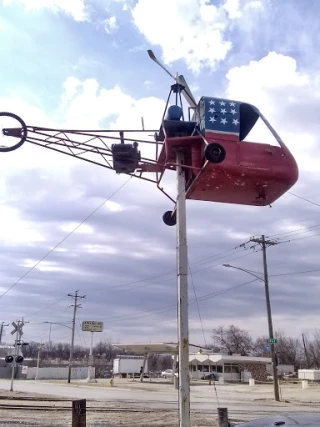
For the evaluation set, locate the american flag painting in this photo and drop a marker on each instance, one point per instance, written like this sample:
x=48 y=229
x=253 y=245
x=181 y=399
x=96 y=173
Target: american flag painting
x=219 y=117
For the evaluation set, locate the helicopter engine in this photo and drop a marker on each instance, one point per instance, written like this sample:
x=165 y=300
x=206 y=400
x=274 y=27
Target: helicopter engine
x=125 y=157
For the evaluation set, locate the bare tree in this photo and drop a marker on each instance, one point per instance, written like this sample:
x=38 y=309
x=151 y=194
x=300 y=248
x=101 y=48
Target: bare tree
x=289 y=350
x=313 y=349
x=233 y=340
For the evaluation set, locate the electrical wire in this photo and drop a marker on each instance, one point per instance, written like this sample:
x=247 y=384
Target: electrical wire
x=64 y=239
x=198 y=308
x=303 y=198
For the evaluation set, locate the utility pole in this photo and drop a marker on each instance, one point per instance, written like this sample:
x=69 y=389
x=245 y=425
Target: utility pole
x=75 y=307
x=305 y=351
x=3 y=325
x=264 y=244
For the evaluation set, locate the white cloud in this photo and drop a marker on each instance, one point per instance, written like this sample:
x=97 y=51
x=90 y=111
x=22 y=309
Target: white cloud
x=76 y=8
x=276 y=86
x=110 y=24
x=233 y=8
x=194 y=29
x=84 y=229
x=15 y=231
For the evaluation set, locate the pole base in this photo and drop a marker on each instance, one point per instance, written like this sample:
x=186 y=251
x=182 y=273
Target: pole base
x=91 y=380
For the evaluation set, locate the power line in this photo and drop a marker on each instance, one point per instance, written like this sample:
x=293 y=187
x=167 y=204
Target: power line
x=198 y=308
x=303 y=198
x=288 y=233
x=64 y=239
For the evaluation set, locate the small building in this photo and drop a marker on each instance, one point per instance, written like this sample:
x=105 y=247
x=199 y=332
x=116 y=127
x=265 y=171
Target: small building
x=309 y=374
x=231 y=367
x=201 y=362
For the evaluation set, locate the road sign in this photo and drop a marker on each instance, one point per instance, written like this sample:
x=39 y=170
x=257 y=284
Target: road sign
x=92 y=326
x=272 y=341
x=24 y=370
x=267 y=347
x=17 y=328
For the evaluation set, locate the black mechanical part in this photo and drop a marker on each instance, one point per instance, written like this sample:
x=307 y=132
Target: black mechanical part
x=8 y=359
x=20 y=132
x=19 y=359
x=215 y=153
x=169 y=218
x=126 y=157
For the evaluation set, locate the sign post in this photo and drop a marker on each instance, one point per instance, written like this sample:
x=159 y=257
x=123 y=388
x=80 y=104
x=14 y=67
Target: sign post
x=91 y=326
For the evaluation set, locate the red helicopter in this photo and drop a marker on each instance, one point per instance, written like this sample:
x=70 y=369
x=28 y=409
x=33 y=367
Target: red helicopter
x=219 y=165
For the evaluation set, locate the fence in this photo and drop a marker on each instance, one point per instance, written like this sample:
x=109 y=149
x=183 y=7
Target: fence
x=78 y=373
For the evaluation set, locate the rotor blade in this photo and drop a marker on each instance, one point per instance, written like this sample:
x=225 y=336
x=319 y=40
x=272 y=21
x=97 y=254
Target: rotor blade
x=187 y=92
x=154 y=58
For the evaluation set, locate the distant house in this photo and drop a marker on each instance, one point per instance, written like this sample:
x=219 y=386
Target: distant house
x=231 y=367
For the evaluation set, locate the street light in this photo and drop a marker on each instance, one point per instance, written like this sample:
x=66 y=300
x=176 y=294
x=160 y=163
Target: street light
x=270 y=325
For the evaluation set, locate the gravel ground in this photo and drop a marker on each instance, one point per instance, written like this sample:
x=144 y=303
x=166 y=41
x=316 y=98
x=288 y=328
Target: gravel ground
x=32 y=410
x=148 y=404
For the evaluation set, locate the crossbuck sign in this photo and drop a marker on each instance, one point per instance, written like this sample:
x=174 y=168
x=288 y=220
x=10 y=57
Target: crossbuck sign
x=92 y=326
x=17 y=328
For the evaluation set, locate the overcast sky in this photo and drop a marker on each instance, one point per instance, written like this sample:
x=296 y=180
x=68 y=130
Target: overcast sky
x=84 y=64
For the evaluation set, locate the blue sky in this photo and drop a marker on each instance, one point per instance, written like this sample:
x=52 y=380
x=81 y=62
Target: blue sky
x=85 y=64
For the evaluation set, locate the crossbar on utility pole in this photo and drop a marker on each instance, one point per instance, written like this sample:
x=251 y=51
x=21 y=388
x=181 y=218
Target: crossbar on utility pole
x=75 y=307
x=182 y=278
x=264 y=243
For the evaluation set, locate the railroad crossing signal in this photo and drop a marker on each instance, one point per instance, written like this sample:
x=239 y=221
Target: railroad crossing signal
x=272 y=341
x=17 y=328
x=10 y=359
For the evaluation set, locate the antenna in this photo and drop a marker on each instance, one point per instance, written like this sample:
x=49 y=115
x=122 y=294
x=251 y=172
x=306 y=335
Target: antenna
x=142 y=123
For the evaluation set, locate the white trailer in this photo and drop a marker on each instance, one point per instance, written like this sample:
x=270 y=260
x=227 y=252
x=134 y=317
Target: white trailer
x=124 y=365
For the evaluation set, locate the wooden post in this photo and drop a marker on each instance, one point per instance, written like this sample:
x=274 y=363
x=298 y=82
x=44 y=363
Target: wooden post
x=223 y=417
x=79 y=411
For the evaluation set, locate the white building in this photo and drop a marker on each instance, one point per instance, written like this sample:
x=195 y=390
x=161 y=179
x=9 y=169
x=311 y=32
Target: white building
x=231 y=367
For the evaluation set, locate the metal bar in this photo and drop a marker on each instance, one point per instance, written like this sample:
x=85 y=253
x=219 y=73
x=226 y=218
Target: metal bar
x=185 y=166
x=88 y=130
x=182 y=276
x=92 y=149
x=117 y=138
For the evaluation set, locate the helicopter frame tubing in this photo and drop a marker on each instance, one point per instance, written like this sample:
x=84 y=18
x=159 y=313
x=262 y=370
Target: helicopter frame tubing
x=95 y=143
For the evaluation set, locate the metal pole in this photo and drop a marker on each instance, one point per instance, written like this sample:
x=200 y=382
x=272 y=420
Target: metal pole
x=14 y=363
x=50 y=339
x=273 y=353
x=182 y=276
x=72 y=336
x=38 y=363
x=90 y=378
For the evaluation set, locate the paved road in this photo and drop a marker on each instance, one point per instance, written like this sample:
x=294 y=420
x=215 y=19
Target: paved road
x=203 y=398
